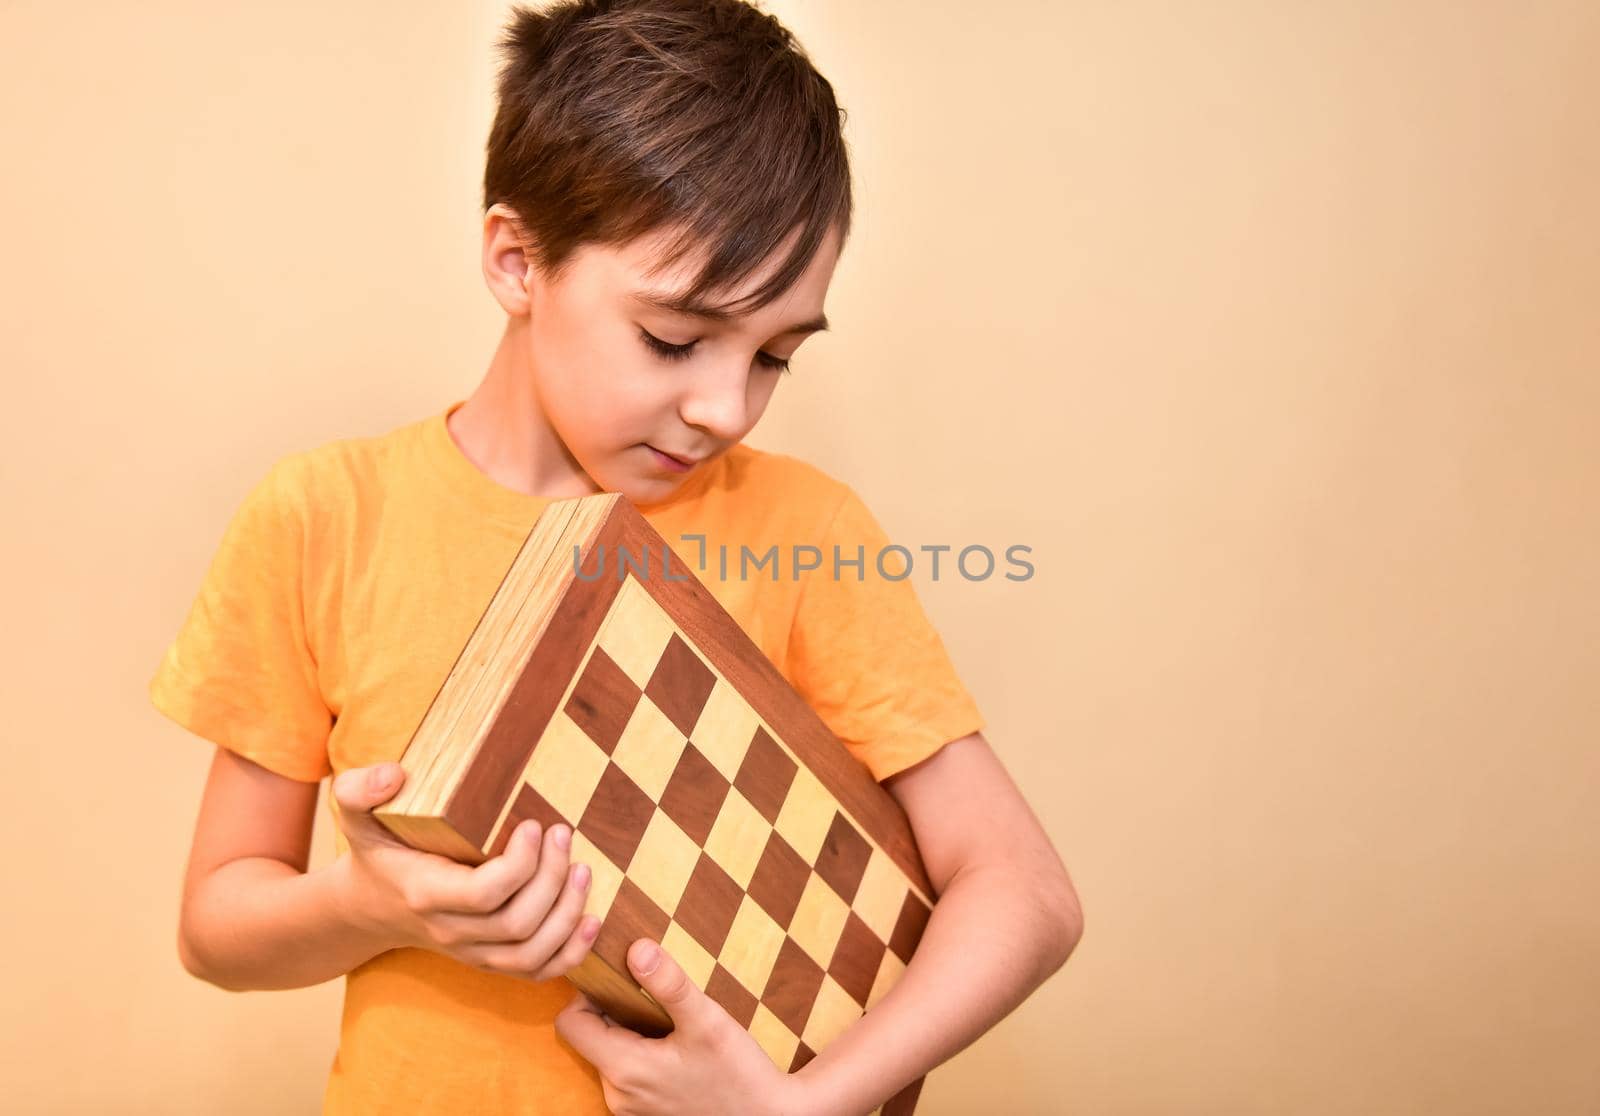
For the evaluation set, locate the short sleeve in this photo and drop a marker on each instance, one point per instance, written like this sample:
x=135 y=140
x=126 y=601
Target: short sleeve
x=866 y=657
x=240 y=672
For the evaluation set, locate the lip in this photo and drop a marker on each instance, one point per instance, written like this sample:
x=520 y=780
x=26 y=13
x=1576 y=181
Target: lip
x=669 y=461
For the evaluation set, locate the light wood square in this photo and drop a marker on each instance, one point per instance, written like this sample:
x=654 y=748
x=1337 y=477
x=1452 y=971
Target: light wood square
x=832 y=1013
x=649 y=748
x=690 y=954
x=605 y=878
x=806 y=815
x=565 y=766
x=752 y=946
x=664 y=861
x=881 y=895
x=738 y=837
x=889 y=974
x=777 y=1040
x=726 y=726
x=636 y=631
x=818 y=921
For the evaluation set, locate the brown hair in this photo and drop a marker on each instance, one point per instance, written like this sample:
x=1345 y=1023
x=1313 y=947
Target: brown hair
x=619 y=117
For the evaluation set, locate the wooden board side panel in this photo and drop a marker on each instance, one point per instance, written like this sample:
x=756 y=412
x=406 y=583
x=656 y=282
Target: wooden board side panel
x=435 y=835
x=480 y=795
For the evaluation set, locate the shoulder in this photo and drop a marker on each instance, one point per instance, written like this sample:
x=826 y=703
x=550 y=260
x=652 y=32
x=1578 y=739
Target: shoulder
x=339 y=478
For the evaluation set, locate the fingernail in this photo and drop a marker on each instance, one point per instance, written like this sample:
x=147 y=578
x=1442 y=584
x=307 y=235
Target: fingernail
x=648 y=957
x=563 y=836
x=530 y=833
x=381 y=776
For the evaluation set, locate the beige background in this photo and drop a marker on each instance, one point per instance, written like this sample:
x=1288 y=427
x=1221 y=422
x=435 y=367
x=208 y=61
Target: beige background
x=1270 y=327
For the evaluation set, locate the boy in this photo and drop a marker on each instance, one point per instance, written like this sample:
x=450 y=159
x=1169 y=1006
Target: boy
x=666 y=195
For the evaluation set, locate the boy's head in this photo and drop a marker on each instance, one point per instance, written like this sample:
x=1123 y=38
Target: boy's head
x=682 y=148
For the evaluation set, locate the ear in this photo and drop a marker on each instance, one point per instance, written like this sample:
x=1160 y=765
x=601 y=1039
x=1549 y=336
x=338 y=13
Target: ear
x=507 y=260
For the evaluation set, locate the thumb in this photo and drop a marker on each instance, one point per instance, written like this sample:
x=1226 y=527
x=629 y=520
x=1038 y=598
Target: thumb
x=359 y=789
x=667 y=983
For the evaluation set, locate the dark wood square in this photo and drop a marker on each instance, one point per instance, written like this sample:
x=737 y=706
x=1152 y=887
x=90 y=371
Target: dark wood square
x=709 y=903
x=857 y=958
x=617 y=816
x=779 y=880
x=603 y=700
x=529 y=803
x=843 y=859
x=680 y=684
x=737 y=1000
x=792 y=989
x=802 y=1055
x=765 y=775
x=633 y=915
x=914 y=915
x=694 y=794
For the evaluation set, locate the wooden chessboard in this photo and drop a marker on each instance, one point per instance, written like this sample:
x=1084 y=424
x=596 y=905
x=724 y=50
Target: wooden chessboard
x=717 y=813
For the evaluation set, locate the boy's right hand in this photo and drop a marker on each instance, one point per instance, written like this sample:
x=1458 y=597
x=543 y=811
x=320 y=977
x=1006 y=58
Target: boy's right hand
x=518 y=913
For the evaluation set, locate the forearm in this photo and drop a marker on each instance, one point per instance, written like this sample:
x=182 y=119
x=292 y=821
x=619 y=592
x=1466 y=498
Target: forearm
x=257 y=923
x=991 y=940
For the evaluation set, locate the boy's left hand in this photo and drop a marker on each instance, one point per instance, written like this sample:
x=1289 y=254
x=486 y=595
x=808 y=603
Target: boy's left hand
x=708 y=1065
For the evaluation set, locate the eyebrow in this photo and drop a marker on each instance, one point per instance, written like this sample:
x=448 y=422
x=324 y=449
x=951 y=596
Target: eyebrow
x=674 y=302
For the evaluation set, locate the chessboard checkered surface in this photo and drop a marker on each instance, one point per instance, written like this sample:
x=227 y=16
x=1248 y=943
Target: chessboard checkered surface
x=704 y=831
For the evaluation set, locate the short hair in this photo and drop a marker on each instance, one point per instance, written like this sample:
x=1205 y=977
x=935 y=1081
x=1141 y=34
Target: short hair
x=617 y=118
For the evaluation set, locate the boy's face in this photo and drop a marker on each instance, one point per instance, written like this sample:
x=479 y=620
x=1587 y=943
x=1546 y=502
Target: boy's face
x=618 y=408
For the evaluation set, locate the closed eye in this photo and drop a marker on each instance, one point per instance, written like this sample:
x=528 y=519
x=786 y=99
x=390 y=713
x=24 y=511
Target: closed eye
x=669 y=351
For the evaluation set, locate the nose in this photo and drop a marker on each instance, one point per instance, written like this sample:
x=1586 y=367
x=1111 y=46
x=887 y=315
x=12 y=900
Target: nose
x=716 y=400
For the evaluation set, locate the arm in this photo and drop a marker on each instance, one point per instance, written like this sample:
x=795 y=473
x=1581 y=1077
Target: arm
x=252 y=916
x=1006 y=918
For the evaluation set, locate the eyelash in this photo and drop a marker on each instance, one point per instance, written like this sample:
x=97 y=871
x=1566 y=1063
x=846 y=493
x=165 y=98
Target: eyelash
x=681 y=352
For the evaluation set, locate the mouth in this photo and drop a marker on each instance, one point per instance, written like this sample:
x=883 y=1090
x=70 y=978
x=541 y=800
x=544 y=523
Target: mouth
x=672 y=461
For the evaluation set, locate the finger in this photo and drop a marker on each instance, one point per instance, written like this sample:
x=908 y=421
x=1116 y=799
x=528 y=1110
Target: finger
x=481 y=888
x=581 y=1002
x=555 y=925
x=530 y=905
x=529 y=860
x=537 y=944
x=573 y=951
x=574 y=931
x=609 y=1047
x=358 y=790
x=497 y=879
x=610 y=1022
x=665 y=980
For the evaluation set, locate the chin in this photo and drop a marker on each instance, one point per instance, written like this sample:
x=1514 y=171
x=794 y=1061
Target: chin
x=656 y=488
x=637 y=484
x=644 y=488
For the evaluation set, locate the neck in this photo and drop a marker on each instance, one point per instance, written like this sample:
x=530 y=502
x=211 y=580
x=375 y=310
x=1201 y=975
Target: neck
x=503 y=430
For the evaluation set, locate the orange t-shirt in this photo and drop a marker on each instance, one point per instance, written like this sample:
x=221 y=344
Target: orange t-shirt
x=344 y=587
